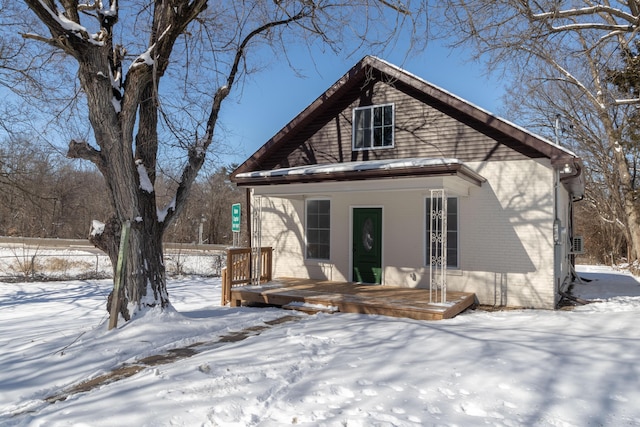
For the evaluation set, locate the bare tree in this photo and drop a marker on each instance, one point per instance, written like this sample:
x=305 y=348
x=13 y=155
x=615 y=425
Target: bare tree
x=558 y=111
x=152 y=78
x=24 y=175
x=563 y=54
x=43 y=194
x=207 y=214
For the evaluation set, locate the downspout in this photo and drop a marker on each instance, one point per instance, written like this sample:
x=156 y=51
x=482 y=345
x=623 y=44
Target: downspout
x=557 y=224
x=578 y=171
x=557 y=235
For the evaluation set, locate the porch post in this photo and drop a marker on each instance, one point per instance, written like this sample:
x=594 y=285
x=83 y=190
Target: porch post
x=438 y=245
x=256 y=241
x=248 y=194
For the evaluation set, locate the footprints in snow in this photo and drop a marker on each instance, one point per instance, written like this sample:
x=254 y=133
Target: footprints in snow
x=462 y=401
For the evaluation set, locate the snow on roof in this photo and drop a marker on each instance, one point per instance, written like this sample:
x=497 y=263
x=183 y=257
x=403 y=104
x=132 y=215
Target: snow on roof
x=352 y=167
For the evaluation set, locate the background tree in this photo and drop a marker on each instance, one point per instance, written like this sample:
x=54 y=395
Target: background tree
x=44 y=195
x=152 y=78
x=565 y=56
x=208 y=210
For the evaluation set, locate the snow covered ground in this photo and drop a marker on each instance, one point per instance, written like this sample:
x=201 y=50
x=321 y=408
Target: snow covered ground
x=19 y=261
x=507 y=368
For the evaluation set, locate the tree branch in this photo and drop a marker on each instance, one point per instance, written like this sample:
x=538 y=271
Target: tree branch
x=198 y=150
x=593 y=26
x=37 y=37
x=593 y=10
x=66 y=33
x=397 y=7
x=82 y=150
x=629 y=101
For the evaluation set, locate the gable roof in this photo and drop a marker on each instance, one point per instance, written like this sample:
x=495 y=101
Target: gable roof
x=497 y=128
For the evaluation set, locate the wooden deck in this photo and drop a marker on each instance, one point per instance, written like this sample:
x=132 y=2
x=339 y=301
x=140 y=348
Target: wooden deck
x=312 y=295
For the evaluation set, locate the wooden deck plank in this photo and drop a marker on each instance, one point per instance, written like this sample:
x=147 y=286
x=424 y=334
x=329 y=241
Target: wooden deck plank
x=355 y=298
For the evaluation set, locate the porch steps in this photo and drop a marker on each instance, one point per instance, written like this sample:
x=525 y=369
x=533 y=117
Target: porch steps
x=311 y=308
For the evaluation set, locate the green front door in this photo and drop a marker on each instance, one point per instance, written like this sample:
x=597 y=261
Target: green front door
x=367 y=245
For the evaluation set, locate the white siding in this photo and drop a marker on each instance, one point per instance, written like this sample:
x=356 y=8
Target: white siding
x=283 y=229
x=507 y=235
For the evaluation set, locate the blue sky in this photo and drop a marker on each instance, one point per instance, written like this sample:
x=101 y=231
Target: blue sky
x=271 y=98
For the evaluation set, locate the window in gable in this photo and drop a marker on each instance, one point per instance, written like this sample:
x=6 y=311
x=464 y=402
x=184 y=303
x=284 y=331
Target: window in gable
x=373 y=127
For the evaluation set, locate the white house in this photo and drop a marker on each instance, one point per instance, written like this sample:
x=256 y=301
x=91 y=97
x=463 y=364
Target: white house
x=350 y=190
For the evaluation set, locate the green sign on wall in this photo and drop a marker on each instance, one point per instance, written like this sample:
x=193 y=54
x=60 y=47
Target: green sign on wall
x=235 y=217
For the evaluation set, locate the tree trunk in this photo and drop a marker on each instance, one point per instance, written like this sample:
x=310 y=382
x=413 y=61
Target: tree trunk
x=145 y=277
x=625 y=182
x=132 y=195
x=631 y=209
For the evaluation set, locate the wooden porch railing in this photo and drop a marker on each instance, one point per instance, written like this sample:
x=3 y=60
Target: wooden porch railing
x=240 y=265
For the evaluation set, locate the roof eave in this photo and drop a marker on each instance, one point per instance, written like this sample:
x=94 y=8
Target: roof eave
x=458 y=170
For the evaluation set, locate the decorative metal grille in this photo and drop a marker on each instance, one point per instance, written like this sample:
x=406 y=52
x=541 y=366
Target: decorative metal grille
x=438 y=245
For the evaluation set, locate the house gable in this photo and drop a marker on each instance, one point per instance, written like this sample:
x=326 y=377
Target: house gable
x=429 y=123
x=421 y=130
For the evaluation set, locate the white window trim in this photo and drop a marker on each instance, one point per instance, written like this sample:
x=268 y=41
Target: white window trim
x=426 y=244
x=393 y=127
x=306 y=234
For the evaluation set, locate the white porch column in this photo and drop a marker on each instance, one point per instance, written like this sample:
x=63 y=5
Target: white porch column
x=438 y=245
x=256 y=240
